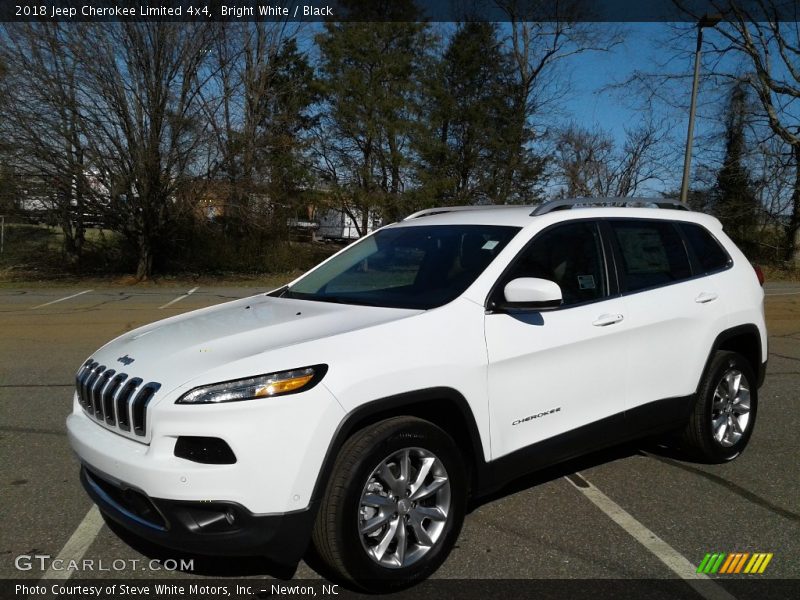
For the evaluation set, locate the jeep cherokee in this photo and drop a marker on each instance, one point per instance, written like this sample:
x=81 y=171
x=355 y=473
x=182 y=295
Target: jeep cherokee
x=361 y=406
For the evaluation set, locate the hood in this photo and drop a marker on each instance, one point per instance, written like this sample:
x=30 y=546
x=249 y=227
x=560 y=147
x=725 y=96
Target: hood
x=179 y=349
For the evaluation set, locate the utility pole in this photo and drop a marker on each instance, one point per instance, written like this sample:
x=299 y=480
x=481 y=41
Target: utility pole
x=705 y=21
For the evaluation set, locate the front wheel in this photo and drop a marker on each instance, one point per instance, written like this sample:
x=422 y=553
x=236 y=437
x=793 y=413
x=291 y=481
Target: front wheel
x=394 y=505
x=725 y=409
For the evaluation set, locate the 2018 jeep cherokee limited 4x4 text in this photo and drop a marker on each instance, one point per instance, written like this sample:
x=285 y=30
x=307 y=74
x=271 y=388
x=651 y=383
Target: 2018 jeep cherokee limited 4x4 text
x=360 y=406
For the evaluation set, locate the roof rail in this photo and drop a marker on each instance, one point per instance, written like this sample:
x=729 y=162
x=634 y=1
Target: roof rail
x=567 y=203
x=426 y=212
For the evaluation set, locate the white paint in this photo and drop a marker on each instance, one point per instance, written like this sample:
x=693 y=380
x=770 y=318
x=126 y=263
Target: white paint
x=77 y=544
x=675 y=561
x=62 y=299
x=179 y=298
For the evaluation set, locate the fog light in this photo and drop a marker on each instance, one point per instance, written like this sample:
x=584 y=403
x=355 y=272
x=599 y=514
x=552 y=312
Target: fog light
x=207 y=450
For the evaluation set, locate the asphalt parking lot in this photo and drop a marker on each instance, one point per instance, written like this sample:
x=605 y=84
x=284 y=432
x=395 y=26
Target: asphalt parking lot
x=644 y=514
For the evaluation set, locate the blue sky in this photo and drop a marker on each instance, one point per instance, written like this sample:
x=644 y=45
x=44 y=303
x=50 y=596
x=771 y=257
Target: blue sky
x=591 y=104
x=594 y=105
x=593 y=71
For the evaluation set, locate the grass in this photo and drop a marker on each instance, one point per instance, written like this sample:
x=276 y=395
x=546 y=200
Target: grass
x=782 y=273
x=33 y=255
x=33 y=252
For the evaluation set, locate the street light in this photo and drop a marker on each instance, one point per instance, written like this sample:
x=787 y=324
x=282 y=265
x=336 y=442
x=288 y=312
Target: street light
x=705 y=21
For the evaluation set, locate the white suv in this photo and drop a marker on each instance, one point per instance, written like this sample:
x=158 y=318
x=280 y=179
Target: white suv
x=362 y=405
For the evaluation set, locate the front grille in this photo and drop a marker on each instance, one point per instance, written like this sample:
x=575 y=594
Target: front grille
x=113 y=399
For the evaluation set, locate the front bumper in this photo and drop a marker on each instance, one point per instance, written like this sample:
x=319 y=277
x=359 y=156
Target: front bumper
x=261 y=504
x=279 y=447
x=214 y=528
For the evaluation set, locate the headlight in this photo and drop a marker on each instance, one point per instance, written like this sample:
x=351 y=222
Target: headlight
x=262 y=386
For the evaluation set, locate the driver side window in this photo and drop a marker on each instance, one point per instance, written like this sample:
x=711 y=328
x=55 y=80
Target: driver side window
x=571 y=255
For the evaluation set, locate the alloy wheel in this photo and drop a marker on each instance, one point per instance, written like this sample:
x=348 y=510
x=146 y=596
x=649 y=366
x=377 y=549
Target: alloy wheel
x=730 y=409
x=404 y=507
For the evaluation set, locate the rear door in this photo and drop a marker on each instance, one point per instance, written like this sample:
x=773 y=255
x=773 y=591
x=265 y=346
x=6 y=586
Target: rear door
x=671 y=309
x=552 y=372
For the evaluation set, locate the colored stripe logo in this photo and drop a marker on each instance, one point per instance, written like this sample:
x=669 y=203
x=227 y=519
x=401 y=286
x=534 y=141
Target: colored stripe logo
x=734 y=563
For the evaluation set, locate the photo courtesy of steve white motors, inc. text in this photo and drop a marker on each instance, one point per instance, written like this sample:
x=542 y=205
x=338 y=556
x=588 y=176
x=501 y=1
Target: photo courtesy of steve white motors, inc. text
x=123 y=11
x=194 y=590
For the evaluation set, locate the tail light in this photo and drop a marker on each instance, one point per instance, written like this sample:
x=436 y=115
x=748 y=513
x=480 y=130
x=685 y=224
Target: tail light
x=759 y=274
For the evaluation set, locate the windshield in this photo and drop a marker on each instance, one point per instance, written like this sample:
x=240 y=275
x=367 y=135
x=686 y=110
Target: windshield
x=406 y=267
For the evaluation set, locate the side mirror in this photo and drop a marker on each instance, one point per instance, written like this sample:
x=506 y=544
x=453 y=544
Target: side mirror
x=530 y=293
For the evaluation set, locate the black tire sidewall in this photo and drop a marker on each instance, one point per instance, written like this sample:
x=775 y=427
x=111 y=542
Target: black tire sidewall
x=408 y=434
x=722 y=363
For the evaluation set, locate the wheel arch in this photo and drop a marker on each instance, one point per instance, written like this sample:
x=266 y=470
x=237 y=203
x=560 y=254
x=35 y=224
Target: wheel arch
x=744 y=340
x=444 y=407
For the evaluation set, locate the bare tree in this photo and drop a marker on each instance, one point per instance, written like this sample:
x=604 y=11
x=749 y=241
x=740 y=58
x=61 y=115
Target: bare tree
x=539 y=50
x=242 y=52
x=41 y=124
x=774 y=172
x=258 y=108
x=589 y=163
x=140 y=87
x=772 y=50
x=759 y=42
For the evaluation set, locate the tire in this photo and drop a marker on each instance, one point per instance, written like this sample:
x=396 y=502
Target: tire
x=725 y=409
x=371 y=492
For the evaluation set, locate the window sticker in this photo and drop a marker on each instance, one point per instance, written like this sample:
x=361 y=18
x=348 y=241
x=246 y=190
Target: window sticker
x=586 y=282
x=490 y=245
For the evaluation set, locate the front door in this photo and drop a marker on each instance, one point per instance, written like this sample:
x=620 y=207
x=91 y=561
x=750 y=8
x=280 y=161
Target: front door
x=551 y=372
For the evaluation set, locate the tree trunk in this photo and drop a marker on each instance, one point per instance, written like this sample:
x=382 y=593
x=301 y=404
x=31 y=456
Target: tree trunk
x=144 y=267
x=71 y=246
x=364 y=220
x=793 y=228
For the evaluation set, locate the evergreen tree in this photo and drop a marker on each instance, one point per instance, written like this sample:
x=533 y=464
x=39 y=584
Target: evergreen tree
x=471 y=147
x=370 y=74
x=287 y=119
x=735 y=202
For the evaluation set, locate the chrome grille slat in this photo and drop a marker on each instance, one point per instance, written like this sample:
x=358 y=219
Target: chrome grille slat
x=109 y=395
x=124 y=403
x=101 y=390
x=87 y=374
x=88 y=384
x=83 y=375
x=139 y=407
x=117 y=402
x=96 y=389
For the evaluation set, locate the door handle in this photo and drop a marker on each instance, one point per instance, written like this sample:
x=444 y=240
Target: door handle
x=604 y=320
x=706 y=297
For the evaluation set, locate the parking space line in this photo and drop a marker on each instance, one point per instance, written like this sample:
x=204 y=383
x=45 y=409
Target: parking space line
x=62 y=299
x=174 y=300
x=675 y=561
x=76 y=545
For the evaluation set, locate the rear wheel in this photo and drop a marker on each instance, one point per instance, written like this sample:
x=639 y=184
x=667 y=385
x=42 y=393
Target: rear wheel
x=394 y=505
x=725 y=409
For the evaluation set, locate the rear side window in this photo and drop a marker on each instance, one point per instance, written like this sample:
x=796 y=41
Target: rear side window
x=708 y=252
x=652 y=253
